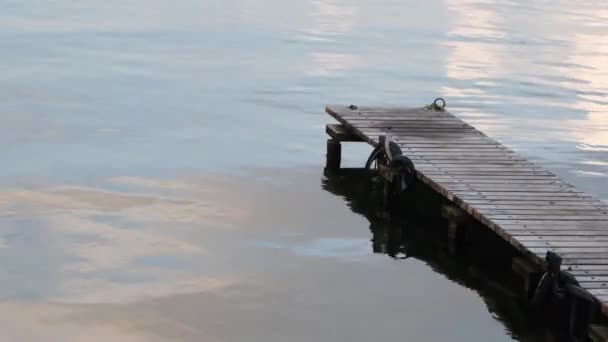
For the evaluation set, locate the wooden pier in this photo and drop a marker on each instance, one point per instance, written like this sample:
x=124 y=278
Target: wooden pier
x=530 y=207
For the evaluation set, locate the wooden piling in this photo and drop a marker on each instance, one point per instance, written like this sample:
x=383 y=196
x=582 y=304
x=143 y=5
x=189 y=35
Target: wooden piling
x=334 y=155
x=457 y=219
x=529 y=273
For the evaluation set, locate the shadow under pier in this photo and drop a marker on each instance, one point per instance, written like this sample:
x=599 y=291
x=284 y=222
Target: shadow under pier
x=417 y=230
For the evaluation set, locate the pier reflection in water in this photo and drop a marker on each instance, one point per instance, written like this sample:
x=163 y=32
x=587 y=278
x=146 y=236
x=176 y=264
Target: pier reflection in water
x=483 y=265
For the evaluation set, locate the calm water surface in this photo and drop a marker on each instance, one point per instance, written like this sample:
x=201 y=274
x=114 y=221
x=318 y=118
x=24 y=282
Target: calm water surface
x=161 y=161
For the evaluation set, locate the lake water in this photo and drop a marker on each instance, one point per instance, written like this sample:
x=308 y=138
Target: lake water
x=162 y=161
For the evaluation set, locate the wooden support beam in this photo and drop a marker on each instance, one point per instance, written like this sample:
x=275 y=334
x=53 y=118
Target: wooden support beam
x=334 y=155
x=339 y=133
x=530 y=274
x=457 y=219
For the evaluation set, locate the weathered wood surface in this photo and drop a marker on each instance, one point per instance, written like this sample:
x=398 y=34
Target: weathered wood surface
x=523 y=203
x=339 y=133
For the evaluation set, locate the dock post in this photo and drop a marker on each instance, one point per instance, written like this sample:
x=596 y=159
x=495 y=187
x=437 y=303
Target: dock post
x=338 y=133
x=457 y=218
x=334 y=155
x=529 y=273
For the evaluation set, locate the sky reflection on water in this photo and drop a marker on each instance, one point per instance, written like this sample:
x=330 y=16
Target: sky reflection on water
x=138 y=198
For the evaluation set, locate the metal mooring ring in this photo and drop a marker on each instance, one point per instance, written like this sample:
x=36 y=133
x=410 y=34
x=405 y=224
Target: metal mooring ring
x=439 y=99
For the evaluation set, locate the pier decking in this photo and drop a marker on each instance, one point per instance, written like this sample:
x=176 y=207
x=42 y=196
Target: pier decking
x=523 y=203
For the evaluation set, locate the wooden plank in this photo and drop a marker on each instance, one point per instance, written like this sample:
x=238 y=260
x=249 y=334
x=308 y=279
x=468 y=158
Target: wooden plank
x=547 y=224
x=540 y=217
x=399 y=131
x=476 y=160
x=464 y=196
x=489 y=182
x=543 y=209
x=513 y=188
x=507 y=176
x=437 y=137
x=507 y=204
x=415 y=125
x=537 y=186
x=398 y=111
x=409 y=134
x=472 y=161
x=557 y=197
x=415 y=113
x=340 y=133
x=552 y=238
x=416 y=141
x=470 y=165
x=575 y=202
x=573 y=252
x=397 y=115
x=419 y=127
x=459 y=146
x=487 y=172
x=390 y=120
x=475 y=150
x=567 y=262
x=535 y=212
x=358 y=120
x=464 y=168
x=587 y=272
x=498 y=194
x=454 y=148
x=563 y=244
x=411 y=116
x=587 y=268
x=462 y=153
x=592 y=278
x=421 y=135
x=412 y=140
x=494 y=184
x=404 y=133
x=601 y=293
x=594 y=285
x=492 y=178
x=431 y=120
x=567 y=233
x=512 y=199
x=503 y=209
